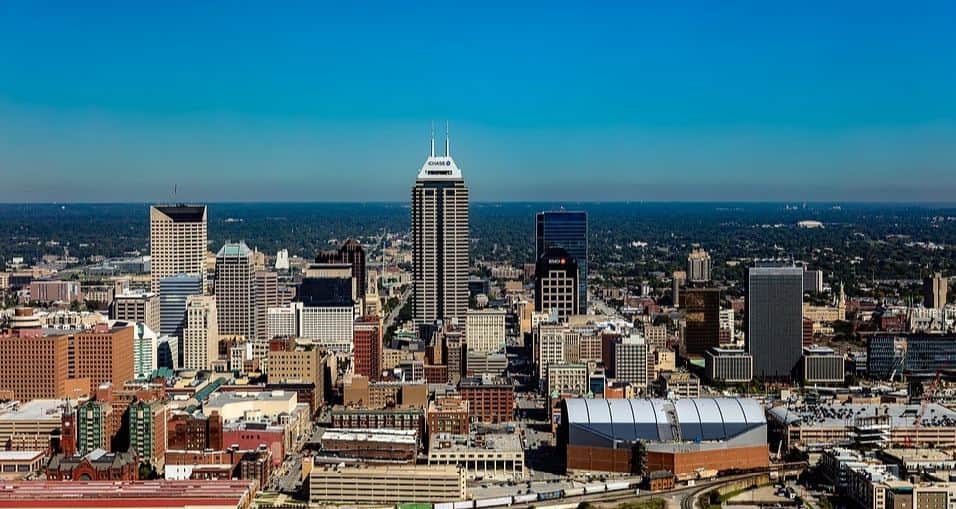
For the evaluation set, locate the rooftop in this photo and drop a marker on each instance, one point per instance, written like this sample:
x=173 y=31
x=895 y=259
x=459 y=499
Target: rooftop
x=48 y=409
x=501 y=442
x=140 y=493
x=183 y=213
x=808 y=414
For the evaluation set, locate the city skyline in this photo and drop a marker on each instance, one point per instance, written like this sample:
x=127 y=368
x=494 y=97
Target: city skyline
x=797 y=105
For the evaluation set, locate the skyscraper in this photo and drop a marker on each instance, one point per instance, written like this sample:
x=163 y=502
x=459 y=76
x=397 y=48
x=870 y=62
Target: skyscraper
x=567 y=230
x=774 y=320
x=556 y=286
x=440 y=240
x=235 y=290
x=698 y=266
x=201 y=335
x=702 y=313
x=934 y=291
x=173 y=292
x=353 y=254
x=177 y=242
x=266 y=296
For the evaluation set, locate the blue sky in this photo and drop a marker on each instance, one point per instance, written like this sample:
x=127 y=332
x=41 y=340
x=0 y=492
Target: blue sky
x=265 y=101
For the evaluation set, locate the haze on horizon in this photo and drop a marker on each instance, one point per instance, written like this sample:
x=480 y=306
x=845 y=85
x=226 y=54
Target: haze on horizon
x=550 y=101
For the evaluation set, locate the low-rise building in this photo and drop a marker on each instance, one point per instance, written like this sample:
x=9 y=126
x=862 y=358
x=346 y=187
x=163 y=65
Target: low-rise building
x=822 y=365
x=677 y=385
x=487 y=456
x=567 y=380
x=386 y=445
x=19 y=464
x=448 y=415
x=728 y=365
x=489 y=399
x=385 y=485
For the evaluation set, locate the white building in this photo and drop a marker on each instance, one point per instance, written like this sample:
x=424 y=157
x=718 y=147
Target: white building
x=201 y=335
x=331 y=327
x=145 y=344
x=485 y=330
x=281 y=322
x=282 y=260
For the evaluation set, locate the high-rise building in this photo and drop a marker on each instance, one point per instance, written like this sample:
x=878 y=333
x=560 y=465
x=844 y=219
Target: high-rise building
x=325 y=306
x=367 y=348
x=177 y=242
x=282 y=259
x=813 y=281
x=556 y=288
x=104 y=354
x=93 y=426
x=147 y=431
x=353 y=254
x=137 y=307
x=567 y=230
x=677 y=279
x=173 y=292
x=145 y=351
x=485 y=330
x=201 y=334
x=34 y=366
x=630 y=361
x=774 y=320
x=702 y=314
x=236 y=290
x=934 y=291
x=266 y=297
x=698 y=266
x=440 y=240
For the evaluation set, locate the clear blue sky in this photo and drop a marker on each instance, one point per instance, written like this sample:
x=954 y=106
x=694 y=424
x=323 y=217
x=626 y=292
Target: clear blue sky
x=548 y=101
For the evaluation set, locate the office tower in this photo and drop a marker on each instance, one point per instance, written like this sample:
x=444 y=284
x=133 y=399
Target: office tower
x=235 y=290
x=934 y=291
x=266 y=297
x=630 y=361
x=353 y=254
x=177 y=242
x=698 y=266
x=137 y=307
x=556 y=287
x=167 y=353
x=145 y=351
x=485 y=330
x=34 y=366
x=173 y=292
x=201 y=334
x=702 y=314
x=367 y=349
x=281 y=322
x=774 y=320
x=282 y=259
x=104 y=354
x=147 y=432
x=567 y=230
x=440 y=240
x=325 y=306
x=677 y=279
x=813 y=281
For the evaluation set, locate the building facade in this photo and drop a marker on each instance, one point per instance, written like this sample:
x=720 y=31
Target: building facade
x=567 y=230
x=201 y=335
x=177 y=241
x=556 y=286
x=485 y=330
x=236 y=290
x=440 y=241
x=774 y=320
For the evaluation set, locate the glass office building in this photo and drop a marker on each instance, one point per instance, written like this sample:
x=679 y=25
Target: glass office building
x=567 y=230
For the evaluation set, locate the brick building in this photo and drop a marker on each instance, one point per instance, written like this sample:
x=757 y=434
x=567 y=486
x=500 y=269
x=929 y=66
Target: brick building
x=489 y=399
x=367 y=347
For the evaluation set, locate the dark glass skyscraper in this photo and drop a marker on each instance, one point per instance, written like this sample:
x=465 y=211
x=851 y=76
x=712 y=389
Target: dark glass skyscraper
x=567 y=230
x=173 y=292
x=774 y=320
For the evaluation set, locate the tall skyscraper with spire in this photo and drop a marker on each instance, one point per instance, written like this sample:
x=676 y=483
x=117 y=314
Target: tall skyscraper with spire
x=440 y=240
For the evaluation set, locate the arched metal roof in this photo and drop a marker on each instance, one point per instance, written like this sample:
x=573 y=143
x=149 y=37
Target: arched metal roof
x=701 y=419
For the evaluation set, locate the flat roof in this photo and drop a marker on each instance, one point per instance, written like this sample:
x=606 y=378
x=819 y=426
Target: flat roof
x=35 y=410
x=20 y=455
x=159 y=493
x=499 y=442
x=834 y=415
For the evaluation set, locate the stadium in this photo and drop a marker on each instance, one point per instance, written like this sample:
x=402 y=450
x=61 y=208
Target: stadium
x=643 y=435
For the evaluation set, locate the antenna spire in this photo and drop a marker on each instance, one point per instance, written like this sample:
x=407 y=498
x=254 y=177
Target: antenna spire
x=433 y=138
x=447 y=141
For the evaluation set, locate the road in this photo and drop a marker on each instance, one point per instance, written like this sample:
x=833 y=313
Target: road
x=394 y=312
